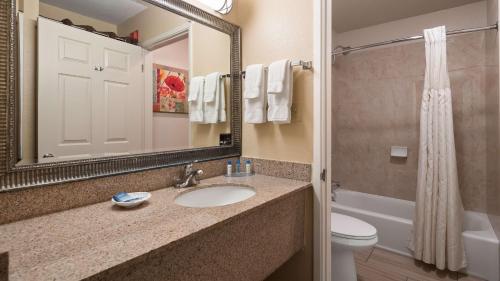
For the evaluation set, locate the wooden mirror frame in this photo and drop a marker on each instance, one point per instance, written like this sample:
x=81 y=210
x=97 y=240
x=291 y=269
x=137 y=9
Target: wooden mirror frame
x=13 y=177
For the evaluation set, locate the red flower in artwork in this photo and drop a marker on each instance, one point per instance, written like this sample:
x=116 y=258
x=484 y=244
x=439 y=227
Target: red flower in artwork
x=175 y=83
x=171 y=105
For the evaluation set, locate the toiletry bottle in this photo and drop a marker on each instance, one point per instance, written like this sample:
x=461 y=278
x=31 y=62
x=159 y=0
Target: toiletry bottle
x=238 y=166
x=229 y=167
x=248 y=167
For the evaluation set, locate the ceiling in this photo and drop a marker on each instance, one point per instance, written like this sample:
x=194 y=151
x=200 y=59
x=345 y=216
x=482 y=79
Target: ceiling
x=112 y=11
x=354 y=14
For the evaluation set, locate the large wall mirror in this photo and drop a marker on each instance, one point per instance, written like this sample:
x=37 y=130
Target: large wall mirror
x=97 y=88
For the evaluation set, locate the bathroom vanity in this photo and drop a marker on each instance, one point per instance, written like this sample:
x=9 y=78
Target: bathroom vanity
x=162 y=240
x=125 y=125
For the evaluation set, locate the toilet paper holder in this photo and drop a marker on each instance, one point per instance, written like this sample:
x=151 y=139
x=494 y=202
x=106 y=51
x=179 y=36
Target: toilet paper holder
x=399 y=151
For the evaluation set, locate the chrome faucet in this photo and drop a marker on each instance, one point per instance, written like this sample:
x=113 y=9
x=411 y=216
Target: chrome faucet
x=335 y=186
x=190 y=177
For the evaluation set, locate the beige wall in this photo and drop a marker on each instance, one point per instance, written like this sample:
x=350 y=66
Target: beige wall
x=59 y=14
x=376 y=105
x=273 y=30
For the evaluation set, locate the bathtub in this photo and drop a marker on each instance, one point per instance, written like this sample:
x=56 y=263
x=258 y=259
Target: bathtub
x=393 y=220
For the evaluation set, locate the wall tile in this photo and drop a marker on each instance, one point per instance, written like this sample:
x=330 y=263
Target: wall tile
x=376 y=104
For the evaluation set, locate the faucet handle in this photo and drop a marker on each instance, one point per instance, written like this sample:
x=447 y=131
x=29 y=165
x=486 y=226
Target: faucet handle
x=188 y=168
x=196 y=179
x=335 y=185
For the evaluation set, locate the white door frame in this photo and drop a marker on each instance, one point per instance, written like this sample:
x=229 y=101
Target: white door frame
x=150 y=45
x=322 y=30
x=164 y=38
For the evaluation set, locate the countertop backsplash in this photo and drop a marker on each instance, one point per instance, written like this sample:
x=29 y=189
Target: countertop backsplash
x=34 y=202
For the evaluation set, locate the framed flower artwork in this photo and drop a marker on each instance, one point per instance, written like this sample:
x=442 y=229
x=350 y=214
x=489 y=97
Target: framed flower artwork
x=170 y=89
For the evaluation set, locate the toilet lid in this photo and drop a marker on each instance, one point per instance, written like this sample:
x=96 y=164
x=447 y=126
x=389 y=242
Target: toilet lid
x=352 y=228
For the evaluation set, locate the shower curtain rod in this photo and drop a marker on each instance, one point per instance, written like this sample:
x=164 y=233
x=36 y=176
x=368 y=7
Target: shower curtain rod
x=341 y=50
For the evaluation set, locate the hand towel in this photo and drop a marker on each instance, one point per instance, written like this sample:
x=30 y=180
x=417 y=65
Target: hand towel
x=211 y=98
x=221 y=91
x=280 y=92
x=254 y=96
x=254 y=76
x=195 y=99
x=211 y=83
x=276 y=76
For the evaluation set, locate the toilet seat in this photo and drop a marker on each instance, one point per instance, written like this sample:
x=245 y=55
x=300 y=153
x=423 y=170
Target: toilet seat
x=351 y=231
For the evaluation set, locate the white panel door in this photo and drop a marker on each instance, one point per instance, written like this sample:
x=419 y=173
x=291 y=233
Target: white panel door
x=90 y=95
x=122 y=108
x=66 y=92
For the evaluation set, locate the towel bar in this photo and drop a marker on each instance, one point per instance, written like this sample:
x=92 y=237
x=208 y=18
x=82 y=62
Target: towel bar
x=306 y=65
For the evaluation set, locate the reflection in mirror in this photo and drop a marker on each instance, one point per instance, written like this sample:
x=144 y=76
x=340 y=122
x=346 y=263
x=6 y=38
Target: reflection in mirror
x=118 y=77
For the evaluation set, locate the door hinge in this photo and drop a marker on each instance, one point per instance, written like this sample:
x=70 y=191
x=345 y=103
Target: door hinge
x=142 y=68
x=323 y=175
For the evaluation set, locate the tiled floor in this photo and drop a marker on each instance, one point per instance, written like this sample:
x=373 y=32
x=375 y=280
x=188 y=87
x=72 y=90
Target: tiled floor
x=380 y=265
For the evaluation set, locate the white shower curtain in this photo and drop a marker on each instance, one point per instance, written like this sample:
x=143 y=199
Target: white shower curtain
x=437 y=233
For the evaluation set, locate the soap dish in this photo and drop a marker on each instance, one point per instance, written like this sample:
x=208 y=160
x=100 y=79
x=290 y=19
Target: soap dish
x=239 y=175
x=143 y=197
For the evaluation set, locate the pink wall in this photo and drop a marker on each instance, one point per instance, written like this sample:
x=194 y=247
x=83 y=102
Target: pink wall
x=176 y=54
x=171 y=130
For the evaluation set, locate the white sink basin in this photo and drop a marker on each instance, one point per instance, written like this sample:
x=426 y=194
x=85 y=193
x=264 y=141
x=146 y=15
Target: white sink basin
x=214 y=196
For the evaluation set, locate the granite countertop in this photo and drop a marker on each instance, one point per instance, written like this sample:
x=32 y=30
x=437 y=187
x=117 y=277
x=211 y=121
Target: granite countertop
x=79 y=243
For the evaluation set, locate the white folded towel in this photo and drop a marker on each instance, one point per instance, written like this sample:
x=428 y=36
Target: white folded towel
x=280 y=92
x=254 y=79
x=222 y=100
x=254 y=95
x=195 y=99
x=211 y=83
x=212 y=98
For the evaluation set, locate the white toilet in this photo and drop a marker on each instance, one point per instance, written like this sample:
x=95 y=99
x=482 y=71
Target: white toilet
x=348 y=235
